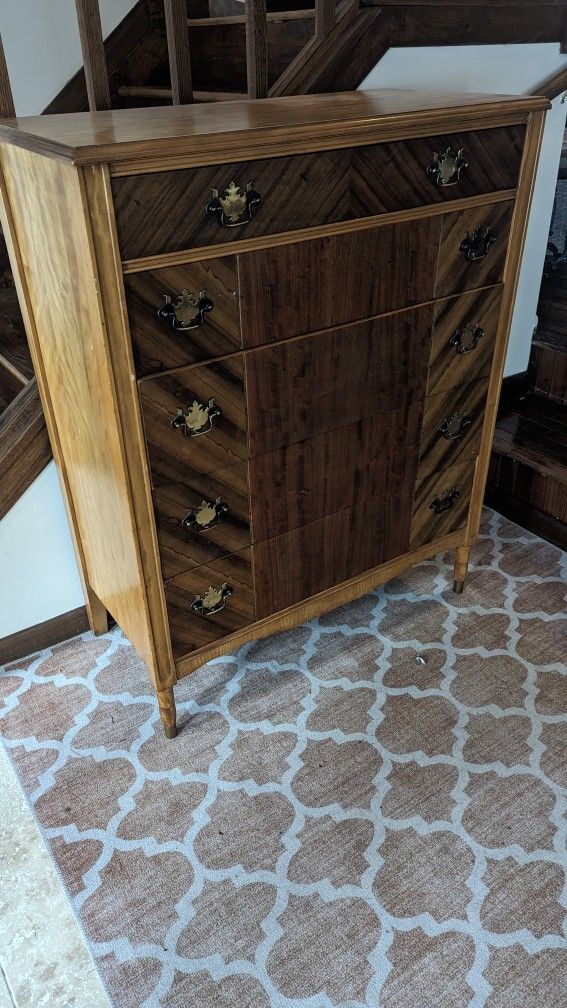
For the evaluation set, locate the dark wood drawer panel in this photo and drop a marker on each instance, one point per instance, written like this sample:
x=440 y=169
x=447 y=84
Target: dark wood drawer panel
x=317 y=556
x=307 y=286
x=190 y=630
x=410 y=173
x=441 y=503
x=464 y=336
x=305 y=387
x=182 y=314
x=167 y=211
x=452 y=427
x=307 y=480
x=201 y=517
x=473 y=248
x=189 y=398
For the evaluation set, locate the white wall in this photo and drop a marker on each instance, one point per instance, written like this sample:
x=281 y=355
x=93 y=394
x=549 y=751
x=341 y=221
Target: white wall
x=501 y=70
x=38 y=574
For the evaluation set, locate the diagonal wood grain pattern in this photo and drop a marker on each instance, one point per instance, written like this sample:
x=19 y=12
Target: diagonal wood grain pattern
x=435 y=451
x=455 y=273
x=426 y=525
x=447 y=367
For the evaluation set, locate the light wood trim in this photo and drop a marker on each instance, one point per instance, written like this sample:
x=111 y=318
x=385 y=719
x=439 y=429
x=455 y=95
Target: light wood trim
x=7 y=110
x=113 y=296
x=94 y=57
x=256 y=48
x=95 y=610
x=178 y=51
x=317 y=604
x=516 y=244
x=306 y=234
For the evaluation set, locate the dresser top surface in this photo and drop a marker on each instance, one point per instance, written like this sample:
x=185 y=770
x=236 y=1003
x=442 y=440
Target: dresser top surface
x=203 y=129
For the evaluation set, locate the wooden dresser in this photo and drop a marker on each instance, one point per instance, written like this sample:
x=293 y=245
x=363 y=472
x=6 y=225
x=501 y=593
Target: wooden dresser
x=269 y=338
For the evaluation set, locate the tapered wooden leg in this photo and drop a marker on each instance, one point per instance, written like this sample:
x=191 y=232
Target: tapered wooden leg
x=97 y=614
x=461 y=567
x=166 y=701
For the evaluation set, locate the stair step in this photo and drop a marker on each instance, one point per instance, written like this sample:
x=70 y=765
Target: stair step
x=548 y=370
x=232 y=19
x=165 y=94
x=533 y=432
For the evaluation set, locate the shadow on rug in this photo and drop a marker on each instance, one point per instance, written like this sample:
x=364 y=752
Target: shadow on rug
x=366 y=811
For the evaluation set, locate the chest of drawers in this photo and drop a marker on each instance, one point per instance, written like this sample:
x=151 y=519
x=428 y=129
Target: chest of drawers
x=269 y=339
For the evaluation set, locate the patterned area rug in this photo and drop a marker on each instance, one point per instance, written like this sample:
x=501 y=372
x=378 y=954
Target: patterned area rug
x=366 y=811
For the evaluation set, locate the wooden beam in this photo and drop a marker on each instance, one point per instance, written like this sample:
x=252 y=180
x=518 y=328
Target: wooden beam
x=178 y=49
x=94 y=58
x=553 y=85
x=300 y=77
x=272 y=17
x=7 y=110
x=484 y=23
x=256 y=48
x=324 y=17
x=24 y=446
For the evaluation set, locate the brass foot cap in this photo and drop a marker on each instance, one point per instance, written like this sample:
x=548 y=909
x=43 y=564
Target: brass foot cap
x=458 y=587
x=170 y=731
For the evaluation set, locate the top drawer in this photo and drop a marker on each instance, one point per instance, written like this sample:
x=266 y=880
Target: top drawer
x=192 y=208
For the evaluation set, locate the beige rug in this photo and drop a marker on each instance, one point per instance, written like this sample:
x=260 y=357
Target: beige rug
x=366 y=811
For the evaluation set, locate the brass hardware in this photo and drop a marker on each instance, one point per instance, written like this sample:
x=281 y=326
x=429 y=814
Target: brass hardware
x=454 y=426
x=185 y=311
x=465 y=340
x=446 y=168
x=445 y=501
x=477 y=245
x=234 y=205
x=198 y=419
x=206 y=517
x=213 y=601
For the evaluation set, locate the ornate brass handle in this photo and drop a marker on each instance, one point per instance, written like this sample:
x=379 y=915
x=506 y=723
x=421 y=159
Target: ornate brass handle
x=198 y=419
x=446 y=168
x=185 y=311
x=207 y=516
x=213 y=601
x=234 y=205
x=445 y=501
x=454 y=426
x=477 y=245
x=466 y=340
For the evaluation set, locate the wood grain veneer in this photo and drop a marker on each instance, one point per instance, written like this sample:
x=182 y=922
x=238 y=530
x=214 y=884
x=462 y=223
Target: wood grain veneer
x=459 y=317
x=455 y=272
x=435 y=451
x=426 y=524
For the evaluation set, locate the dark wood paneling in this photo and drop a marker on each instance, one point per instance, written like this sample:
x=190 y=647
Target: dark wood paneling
x=166 y=211
x=534 y=432
x=314 y=557
x=393 y=176
x=24 y=446
x=305 y=481
x=224 y=444
x=448 y=367
x=183 y=548
x=156 y=345
x=43 y=635
x=479 y=23
x=190 y=631
x=436 y=452
x=455 y=272
x=302 y=388
x=427 y=525
x=306 y=286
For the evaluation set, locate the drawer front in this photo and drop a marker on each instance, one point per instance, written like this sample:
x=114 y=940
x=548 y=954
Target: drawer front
x=313 y=285
x=411 y=173
x=302 y=482
x=195 y=418
x=201 y=517
x=167 y=211
x=303 y=388
x=225 y=585
x=325 y=553
x=473 y=248
x=441 y=503
x=464 y=337
x=452 y=427
x=183 y=314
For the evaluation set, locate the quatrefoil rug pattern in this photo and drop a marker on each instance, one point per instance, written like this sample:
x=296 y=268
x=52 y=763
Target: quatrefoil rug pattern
x=366 y=812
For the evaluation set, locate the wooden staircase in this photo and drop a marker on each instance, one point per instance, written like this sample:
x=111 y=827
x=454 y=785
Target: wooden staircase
x=181 y=51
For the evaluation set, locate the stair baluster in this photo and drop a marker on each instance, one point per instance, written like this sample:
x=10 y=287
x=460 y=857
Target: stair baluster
x=256 y=48
x=178 y=50
x=94 y=58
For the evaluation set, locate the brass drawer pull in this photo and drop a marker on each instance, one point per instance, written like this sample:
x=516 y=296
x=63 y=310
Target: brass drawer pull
x=206 y=517
x=213 y=601
x=477 y=245
x=466 y=340
x=454 y=426
x=234 y=205
x=445 y=501
x=447 y=167
x=185 y=311
x=198 y=419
